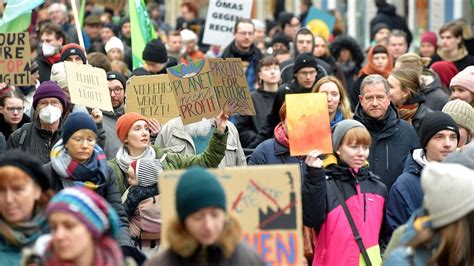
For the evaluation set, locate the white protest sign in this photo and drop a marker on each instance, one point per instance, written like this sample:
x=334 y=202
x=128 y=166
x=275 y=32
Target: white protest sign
x=221 y=17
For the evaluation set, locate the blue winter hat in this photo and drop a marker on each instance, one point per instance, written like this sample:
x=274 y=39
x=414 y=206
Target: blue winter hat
x=75 y=122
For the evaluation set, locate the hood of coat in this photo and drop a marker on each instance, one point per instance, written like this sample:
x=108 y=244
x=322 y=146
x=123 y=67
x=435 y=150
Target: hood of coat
x=183 y=244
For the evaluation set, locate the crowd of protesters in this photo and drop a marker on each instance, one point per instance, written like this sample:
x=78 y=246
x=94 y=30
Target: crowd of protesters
x=397 y=189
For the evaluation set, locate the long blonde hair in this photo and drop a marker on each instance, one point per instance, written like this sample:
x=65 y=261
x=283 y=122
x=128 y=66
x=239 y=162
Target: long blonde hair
x=344 y=104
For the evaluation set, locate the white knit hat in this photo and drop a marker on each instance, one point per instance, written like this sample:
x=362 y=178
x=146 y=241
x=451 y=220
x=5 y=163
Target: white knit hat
x=188 y=35
x=449 y=192
x=58 y=74
x=148 y=171
x=114 y=42
x=461 y=112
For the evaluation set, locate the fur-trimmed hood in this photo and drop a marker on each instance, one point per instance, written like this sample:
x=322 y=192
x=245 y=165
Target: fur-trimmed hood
x=184 y=245
x=349 y=43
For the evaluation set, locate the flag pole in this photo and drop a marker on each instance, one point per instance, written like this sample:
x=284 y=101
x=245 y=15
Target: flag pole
x=77 y=23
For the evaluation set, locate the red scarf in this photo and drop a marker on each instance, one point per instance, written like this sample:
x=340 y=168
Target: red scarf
x=53 y=59
x=280 y=135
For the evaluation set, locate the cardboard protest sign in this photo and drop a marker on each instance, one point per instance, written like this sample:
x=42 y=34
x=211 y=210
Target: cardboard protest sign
x=15 y=58
x=206 y=86
x=265 y=199
x=152 y=97
x=220 y=20
x=308 y=123
x=88 y=86
x=110 y=4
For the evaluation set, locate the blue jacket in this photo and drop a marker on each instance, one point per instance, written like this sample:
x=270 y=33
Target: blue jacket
x=406 y=194
x=10 y=255
x=392 y=140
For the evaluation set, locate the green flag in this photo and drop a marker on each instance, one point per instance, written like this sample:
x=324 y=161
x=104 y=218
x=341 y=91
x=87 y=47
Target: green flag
x=17 y=15
x=142 y=30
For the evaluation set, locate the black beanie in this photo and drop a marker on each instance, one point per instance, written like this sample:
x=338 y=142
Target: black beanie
x=434 y=122
x=155 y=51
x=305 y=60
x=76 y=122
x=111 y=75
x=376 y=28
x=281 y=38
x=73 y=49
x=28 y=164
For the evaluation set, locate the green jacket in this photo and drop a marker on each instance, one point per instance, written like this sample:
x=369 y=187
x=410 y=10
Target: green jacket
x=210 y=158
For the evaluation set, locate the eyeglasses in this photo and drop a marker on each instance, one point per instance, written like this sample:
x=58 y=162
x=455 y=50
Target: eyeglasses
x=13 y=109
x=244 y=33
x=116 y=90
x=79 y=140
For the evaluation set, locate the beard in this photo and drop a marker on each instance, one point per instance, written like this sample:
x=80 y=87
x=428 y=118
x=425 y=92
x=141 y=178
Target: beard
x=199 y=129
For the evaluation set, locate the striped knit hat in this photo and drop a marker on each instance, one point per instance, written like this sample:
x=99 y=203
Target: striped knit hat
x=147 y=171
x=89 y=208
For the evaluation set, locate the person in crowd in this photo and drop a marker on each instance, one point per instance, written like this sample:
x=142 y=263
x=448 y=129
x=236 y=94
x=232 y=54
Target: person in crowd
x=397 y=44
x=392 y=137
x=452 y=46
x=12 y=114
x=430 y=82
x=200 y=201
x=428 y=46
x=114 y=49
x=446 y=71
x=100 y=60
x=24 y=194
x=345 y=177
x=92 y=28
x=268 y=73
x=194 y=138
x=157 y=15
x=58 y=14
x=348 y=54
x=38 y=137
x=119 y=66
x=191 y=53
x=439 y=234
x=303 y=43
x=133 y=131
x=339 y=106
x=29 y=91
x=156 y=59
x=84 y=229
x=244 y=48
x=280 y=42
x=189 y=18
x=259 y=36
x=52 y=39
x=282 y=55
x=379 y=34
x=174 y=45
x=289 y=23
x=387 y=13
x=77 y=160
x=462 y=87
x=58 y=75
x=379 y=61
x=407 y=96
x=305 y=5
x=73 y=53
x=117 y=84
x=125 y=34
x=305 y=73
x=439 y=136
x=321 y=51
x=108 y=31
x=463 y=114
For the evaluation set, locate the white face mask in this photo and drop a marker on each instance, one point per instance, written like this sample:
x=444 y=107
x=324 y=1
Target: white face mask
x=50 y=114
x=48 y=49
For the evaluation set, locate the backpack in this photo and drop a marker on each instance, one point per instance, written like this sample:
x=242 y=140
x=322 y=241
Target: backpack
x=145 y=224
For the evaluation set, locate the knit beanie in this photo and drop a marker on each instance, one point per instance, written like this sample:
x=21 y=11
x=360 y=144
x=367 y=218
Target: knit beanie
x=429 y=37
x=114 y=42
x=280 y=37
x=28 y=164
x=434 y=122
x=188 y=35
x=124 y=20
x=305 y=60
x=446 y=70
x=376 y=28
x=197 y=189
x=111 y=75
x=461 y=112
x=90 y=208
x=73 y=49
x=285 y=18
x=448 y=192
x=125 y=122
x=465 y=156
x=148 y=171
x=58 y=74
x=49 y=89
x=76 y=122
x=464 y=79
x=155 y=51
x=112 y=27
x=340 y=129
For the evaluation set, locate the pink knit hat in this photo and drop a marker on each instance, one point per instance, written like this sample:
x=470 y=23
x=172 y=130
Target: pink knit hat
x=430 y=37
x=464 y=79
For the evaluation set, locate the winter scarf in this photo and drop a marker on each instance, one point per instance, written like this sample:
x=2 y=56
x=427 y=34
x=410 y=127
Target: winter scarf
x=410 y=107
x=26 y=233
x=124 y=159
x=91 y=174
x=461 y=54
x=370 y=67
x=106 y=253
x=280 y=135
x=337 y=118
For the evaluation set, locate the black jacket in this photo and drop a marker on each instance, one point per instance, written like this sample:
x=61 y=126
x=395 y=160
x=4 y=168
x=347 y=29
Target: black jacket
x=392 y=140
x=387 y=14
x=2 y=143
x=422 y=111
x=6 y=129
x=44 y=68
x=435 y=96
x=248 y=126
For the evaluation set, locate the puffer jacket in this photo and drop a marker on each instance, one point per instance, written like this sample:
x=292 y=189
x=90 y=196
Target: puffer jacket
x=435 y=96
x=228 y=250
x=392 y=141
x=173 y=137
x=365 y=197
x=406 y=194
x=421 y=112
x=210 y=158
